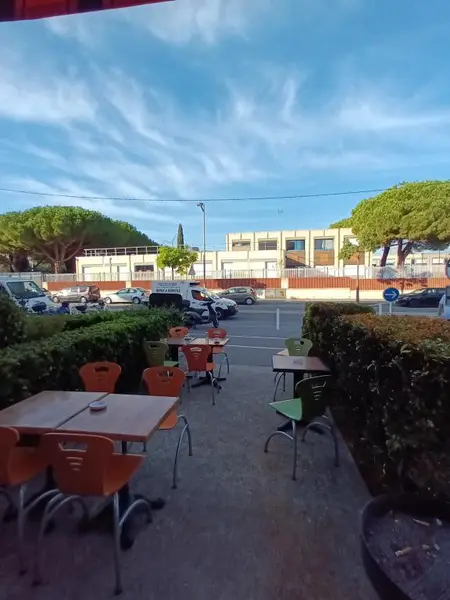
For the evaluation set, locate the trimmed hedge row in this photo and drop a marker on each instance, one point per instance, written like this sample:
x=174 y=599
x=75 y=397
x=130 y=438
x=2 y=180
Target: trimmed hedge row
x=53 y=363
x=391 y=396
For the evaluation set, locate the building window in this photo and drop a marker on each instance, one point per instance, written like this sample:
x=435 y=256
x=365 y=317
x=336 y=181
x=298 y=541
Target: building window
x=140 y=268
x=296 y=245
x=325 y=244
x=240 y=245
x=267 y=245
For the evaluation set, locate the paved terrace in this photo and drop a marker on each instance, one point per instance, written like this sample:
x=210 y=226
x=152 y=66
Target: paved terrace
x=237 y=528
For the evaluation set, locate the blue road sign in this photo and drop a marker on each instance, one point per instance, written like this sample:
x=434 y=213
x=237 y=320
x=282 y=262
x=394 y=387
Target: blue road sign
x=391 y=294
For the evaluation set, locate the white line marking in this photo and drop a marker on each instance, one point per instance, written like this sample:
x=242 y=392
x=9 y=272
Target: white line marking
x=257 y=337
x=252 y=347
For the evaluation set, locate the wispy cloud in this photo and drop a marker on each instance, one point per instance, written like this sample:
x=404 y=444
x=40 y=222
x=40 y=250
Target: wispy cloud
x=45 y=96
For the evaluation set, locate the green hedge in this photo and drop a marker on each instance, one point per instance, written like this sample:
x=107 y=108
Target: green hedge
x=53 y=363
x=391 y=396
x=12 y=322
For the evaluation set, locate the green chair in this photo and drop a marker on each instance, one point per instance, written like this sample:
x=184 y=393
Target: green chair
x=156 y=353
x=295 y=347
x=309 y=406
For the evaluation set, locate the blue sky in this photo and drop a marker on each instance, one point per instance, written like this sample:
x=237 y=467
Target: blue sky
x=225 y=98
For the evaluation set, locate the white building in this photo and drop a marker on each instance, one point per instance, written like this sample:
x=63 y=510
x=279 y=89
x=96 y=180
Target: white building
x=254 y=254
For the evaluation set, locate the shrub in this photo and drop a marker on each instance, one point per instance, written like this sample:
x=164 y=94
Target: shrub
x=392 y=376
x=12 y=322
x=53 y=363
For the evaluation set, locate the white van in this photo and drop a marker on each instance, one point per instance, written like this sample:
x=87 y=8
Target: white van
x=25 y=292
x=196 y=295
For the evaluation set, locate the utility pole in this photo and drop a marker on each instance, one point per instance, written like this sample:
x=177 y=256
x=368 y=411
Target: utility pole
x=202 y=208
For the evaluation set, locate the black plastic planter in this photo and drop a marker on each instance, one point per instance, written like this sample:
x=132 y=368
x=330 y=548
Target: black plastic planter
x=433 y=579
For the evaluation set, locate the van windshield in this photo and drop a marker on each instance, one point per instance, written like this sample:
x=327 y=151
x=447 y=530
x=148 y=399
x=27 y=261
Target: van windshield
x=24 y=290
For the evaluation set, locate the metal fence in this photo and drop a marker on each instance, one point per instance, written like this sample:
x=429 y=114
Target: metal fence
x=388 y=273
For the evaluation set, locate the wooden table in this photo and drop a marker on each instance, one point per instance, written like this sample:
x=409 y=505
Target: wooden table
x=298 y=365
x=127 y=418
x=46 y=411
x=175 y=343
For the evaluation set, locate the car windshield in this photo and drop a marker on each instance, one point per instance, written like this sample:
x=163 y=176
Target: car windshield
x=24 y=290
x=414 y=292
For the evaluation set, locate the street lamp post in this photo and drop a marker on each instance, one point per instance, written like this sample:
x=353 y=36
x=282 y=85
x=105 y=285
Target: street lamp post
x=202 y=208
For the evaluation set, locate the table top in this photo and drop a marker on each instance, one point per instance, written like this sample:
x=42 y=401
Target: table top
x=296 y=364
x=210 y=342
x=46 y=411
x=284 y=352
x=178 y=341
x=127 y=418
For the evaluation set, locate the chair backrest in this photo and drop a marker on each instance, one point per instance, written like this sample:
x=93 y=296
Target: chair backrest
x=178 y=332
x=79 y=470
x=8 y=441
x=155 y=352
x=100 y=376
x=298 y=346
x=216 y=333
x=311 y=391
x=164 y=381
x=196 y=357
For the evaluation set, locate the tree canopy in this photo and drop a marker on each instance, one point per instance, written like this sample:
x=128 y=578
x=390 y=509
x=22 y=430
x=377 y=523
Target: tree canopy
x=59 y=233
x=177 y=259
x=408 y=216
x=180 y=236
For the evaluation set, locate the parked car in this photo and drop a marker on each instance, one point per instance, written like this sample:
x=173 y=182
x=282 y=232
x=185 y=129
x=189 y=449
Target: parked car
x=78 y=293
x=128 y=296
x=424 y=297
x=241 y=295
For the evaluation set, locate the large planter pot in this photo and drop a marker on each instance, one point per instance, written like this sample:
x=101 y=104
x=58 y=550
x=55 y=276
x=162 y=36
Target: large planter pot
x=405 y=545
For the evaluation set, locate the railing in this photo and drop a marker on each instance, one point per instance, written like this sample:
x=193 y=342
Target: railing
x=121 y=251
x=350 y=271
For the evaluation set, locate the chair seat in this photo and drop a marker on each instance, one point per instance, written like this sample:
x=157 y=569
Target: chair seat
x=26 y=464
x=171 y=363
x=121 y=467
x=291 y=409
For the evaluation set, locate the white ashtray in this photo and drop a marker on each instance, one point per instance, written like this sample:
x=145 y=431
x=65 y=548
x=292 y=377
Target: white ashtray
x=97 y=405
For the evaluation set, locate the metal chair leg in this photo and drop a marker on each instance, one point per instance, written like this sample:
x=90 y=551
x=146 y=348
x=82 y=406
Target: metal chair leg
x=284 y=382
x=211 y=377
x=117 y=571
x=53 y=506
x=294 y=437
x=329 y=427
x=276 y=386
x=186 y=429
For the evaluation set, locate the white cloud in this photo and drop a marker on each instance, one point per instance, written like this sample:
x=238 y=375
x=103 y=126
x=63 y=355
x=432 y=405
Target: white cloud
x=43 y=97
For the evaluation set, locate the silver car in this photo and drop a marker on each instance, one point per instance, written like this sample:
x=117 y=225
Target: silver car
x=127 y=296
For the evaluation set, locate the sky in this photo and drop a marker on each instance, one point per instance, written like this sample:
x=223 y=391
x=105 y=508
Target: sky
x=208 y=99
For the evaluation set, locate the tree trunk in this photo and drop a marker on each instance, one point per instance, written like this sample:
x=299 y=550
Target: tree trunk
x=173 y=273
x=402 y=252
x=384 y=256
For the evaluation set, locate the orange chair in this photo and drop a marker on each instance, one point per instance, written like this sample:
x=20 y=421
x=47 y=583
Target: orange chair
x=219 y=333
x=100 y=376
x=197 y=362
x=18 y=467
x=95 y=470
x=168 y=381
x=178 y=332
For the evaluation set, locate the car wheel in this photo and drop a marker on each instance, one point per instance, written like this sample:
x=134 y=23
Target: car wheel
x=83 y=300
x=107 y=300
x=219 y=313
x=55 y=299
x=249 y=301
x=136 y=300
